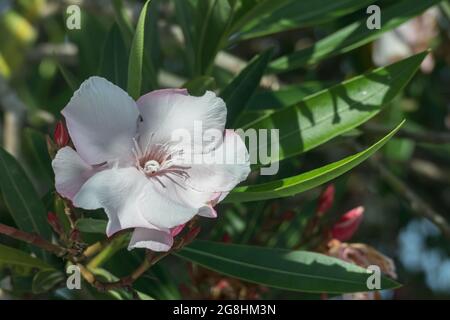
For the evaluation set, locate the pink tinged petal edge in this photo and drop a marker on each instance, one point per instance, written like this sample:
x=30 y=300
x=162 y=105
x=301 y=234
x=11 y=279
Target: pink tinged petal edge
x=102 y=121
x=159 y=240
x=348 y=224
x=166 y=111
x=71 y=172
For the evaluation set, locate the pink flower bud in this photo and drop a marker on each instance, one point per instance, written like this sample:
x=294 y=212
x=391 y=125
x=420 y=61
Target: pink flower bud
x=347 y=224
x=61 y=135
x=326 y=200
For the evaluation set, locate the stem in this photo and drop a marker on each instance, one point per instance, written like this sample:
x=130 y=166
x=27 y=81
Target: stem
x=419 y=206
x=425 y=137
x=35 y=240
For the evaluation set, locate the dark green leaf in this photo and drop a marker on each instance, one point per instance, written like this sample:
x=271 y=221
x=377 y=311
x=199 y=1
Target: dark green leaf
x=136 y=58
x=237 y=94
x=329 y=113
x=115 y=54
x=21 y=199
x=298 y=14
x=305 y=181
x=11 y=257
x=290 y=270
x=47 y=280
x=213 y=22
x=351 y=37
x=90 y=225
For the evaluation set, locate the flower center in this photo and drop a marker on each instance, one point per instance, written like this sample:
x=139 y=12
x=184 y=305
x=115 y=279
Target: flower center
x=151 y=167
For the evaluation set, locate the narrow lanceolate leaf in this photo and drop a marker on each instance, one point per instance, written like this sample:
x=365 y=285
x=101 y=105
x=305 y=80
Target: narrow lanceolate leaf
x=39 y=159
x=11 y=257
x=290 y=270
x=115 y=53
x=123 y=22
x=21 y=199
x=298 y=14
x=305 y=181
x=329 y=113
x=70 y=79
x=213 y=20
x=237 y=94
x=136 y=59
x=90 y=225
x=285 y=97
x=46 y=280
x=351 y=37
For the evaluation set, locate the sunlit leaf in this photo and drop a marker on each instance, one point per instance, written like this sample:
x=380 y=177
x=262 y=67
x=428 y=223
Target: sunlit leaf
x=305 y=181
x=351 y=37
x=329 y=113
x=290 y=270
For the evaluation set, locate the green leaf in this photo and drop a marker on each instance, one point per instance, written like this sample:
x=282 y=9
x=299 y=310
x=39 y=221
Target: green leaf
x=298 y=14
x=40 y=160
x=284 y=97
x=305 y=181
x=237 y=94
x=184 y=11
x=11 y=257
x=351 y=37
x=46 y=280
x=213 y=22
x=123 y=22
x=136 y=59
x=70 y=79
x=290 y=270
x=198 y=86
x=21 y=199
x=115 y=53
x=90 y=225
x=332 y=112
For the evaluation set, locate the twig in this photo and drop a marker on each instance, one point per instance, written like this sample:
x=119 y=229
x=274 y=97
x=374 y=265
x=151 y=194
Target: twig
x=91 y=278
x=419 y=206
x=35 y=240
x=426 y=137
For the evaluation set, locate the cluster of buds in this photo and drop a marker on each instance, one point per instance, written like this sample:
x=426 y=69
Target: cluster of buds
x=357 y=253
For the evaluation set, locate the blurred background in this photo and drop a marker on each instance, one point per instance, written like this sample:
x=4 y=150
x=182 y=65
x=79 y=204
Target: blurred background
x=400 y=188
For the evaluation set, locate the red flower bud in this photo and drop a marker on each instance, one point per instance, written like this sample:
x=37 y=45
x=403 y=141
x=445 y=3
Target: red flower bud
x=326 y=200
x=347 y=224
x=226 y=238
x=61 y=135
x=53 y=221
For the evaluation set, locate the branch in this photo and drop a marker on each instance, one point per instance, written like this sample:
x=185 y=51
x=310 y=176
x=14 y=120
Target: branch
x=425 y=137
x=419 y=206
x=35 y=240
